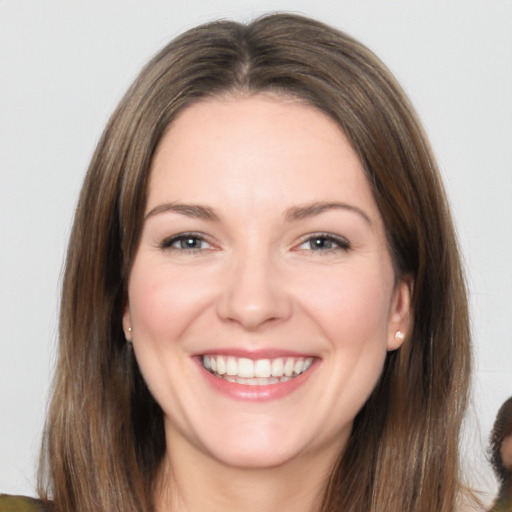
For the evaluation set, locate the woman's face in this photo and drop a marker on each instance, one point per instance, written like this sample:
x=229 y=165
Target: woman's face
x=506 y=453
x=262 y=298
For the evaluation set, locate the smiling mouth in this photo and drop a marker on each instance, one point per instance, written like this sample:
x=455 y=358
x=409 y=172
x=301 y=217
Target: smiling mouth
x=259 y=372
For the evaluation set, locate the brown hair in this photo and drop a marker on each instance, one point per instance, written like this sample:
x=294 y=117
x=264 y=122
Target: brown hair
x=104 y=436
x=501 y=430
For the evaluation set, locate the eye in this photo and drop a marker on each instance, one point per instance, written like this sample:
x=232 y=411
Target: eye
x=186 y=242
x=323 y=242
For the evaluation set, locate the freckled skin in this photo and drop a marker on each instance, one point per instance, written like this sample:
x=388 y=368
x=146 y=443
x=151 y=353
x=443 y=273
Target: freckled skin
x=254 y=281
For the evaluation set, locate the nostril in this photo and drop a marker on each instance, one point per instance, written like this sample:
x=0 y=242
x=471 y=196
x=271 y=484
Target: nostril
x=253 y=300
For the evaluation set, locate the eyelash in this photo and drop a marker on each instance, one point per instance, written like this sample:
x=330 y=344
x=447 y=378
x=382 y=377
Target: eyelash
x=336 y=243
x=168 y=243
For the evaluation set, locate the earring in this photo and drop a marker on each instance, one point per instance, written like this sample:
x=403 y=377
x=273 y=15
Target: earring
x=399 y=335
x=129 y=329
x=129 y=341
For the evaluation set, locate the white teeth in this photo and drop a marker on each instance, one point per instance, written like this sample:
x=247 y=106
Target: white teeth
x=262 y=368
x=231 y=366
x=277 y=367
x=259 y=372
x=221 y=366
x=289 y=366
x=245 y=368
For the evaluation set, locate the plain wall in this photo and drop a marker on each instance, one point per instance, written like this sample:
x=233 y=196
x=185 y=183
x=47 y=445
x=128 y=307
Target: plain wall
x=64 y=66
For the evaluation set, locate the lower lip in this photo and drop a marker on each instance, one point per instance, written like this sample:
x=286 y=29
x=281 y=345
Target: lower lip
x=256 y=393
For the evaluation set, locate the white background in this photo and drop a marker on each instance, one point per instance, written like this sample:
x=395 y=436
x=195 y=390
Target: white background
x=64 y=66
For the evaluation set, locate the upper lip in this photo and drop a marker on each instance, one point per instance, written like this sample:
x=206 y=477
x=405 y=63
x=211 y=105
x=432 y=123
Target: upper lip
x=258 y=353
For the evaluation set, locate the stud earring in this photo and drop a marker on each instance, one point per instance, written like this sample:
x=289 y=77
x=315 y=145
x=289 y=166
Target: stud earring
x=399 y=335
x=129 y=329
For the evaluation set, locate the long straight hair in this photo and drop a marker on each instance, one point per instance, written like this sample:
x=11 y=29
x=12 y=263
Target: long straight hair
x=104 y=438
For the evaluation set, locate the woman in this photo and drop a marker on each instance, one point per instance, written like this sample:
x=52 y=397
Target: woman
x=263 y=305
x=501 y=456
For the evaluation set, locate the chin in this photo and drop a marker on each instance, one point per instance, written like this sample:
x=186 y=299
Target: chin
x=253 y=444
x=248 y=456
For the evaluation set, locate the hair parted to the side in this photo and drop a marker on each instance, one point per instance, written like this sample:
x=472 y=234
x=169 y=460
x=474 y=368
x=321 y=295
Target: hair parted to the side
x=104 y=435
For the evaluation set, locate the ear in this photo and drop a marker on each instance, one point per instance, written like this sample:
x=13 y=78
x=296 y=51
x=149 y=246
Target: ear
x=400 y=313
x=127 y=323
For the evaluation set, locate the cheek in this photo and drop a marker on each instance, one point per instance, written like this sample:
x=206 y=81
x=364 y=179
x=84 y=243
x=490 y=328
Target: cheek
x=506 y=453
x=164 y=300
x=352 y=305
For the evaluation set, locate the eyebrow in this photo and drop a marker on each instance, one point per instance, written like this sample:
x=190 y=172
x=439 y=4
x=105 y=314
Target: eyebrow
x=310 y=210
x=189 y=210
x=291 y=215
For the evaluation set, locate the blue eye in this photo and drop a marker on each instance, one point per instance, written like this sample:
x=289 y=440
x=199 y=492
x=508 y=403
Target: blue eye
x=324 y=242
x=188 y=242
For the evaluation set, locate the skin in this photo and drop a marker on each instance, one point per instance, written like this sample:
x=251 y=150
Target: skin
x=506 y=453
x=254 y=281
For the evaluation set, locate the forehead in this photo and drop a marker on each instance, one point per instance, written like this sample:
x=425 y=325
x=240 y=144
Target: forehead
x=260 y=148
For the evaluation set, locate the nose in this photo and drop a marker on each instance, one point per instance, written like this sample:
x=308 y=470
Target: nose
x=254 y=294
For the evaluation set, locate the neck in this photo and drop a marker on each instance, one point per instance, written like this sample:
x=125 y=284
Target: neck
x=193 y=482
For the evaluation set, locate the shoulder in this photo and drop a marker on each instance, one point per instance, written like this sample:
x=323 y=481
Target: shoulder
x=501 y=506
x=20 y=504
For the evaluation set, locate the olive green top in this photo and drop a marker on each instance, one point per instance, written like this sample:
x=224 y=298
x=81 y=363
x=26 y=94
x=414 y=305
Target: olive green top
x=20 y=504
x=500 y=506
